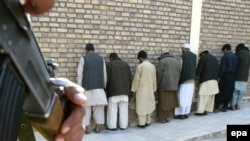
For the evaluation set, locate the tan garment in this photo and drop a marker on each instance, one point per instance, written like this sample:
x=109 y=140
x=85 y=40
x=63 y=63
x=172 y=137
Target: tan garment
x=207 y=92
x=132 y=104
x=167 y=102
x=209 y=87
x=143 y=120
x=205 y=103
x=144 y=84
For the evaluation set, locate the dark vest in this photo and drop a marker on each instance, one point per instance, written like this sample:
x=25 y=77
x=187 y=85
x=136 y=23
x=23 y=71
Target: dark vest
x=93 y=77
x=188 y=71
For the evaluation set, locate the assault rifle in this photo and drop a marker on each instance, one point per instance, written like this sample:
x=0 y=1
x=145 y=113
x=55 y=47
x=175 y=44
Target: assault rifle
x=24 y=77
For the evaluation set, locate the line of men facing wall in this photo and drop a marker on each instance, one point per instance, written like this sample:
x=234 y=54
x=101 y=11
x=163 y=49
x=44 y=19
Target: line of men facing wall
x=110 y=83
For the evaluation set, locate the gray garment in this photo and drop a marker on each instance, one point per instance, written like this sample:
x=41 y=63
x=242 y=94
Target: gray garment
x=168 y=73
x=93 y=72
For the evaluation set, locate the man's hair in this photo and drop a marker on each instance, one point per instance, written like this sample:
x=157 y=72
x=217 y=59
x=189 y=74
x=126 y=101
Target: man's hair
x=203 y=52
x=89 y=47
x=240 y=46
x=226 y=46
x=246 y=48
x=142 y=54
x=113 y=56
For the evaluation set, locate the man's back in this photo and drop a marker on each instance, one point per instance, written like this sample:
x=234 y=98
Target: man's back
x=242 y=72
x=147 y=71
x=168 y=73
x=119 y=78
x=188 y=66
x=145 y=77
x=228 y=63
x=207 y=68
x=93 y=76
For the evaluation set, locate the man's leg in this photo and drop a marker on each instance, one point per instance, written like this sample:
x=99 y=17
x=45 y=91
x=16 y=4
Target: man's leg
x=86 y=119
x=189 y=99
x=179 y=111
x=123 y=114
x=161 y=114
x=217 y=102
x=234 y=99
x=229 y=88
x=201 y=105
x=98 y=114
x=112 y=115
x=171 y=103
x=239 y=99
x=220 y=97
x=188 y=109
x=169 y=115
x=227 y=101
x=142 y=120
x=148 y=119
x=210 y=103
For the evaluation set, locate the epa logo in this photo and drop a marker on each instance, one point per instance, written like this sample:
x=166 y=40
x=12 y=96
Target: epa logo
x=238 y=134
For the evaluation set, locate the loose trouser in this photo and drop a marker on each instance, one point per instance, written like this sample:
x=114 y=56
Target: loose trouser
x=112 y=114
x=237 y=97
x=144 y=119
x=185 y=96
x=226 y=86
x=205 y=103
x=98 y=114
x=167 y=102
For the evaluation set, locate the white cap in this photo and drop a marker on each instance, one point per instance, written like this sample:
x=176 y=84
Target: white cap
x=186 y=46
x=164 y=51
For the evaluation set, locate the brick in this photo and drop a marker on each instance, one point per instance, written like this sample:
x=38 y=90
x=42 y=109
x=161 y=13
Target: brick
x=126 y=4
x=110 y=3
x=44 y=29
x=44 y=19
x=133 y=1
x=79 y=1
x=88 y=6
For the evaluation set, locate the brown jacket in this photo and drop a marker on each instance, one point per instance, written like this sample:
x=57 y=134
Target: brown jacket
x=118 y=78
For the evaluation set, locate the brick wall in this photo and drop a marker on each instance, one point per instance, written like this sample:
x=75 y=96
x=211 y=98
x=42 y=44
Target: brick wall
x=224 y=21
x=124 y=26
x=127 y=26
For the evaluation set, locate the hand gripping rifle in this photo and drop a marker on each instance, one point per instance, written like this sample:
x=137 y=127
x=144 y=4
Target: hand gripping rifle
x=24 y=77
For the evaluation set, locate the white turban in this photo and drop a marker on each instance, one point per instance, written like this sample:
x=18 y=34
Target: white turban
x=186 y=46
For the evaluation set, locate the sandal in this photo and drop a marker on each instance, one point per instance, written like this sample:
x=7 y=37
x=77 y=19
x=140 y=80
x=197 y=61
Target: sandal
x=87 y=130
x=97 y=130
